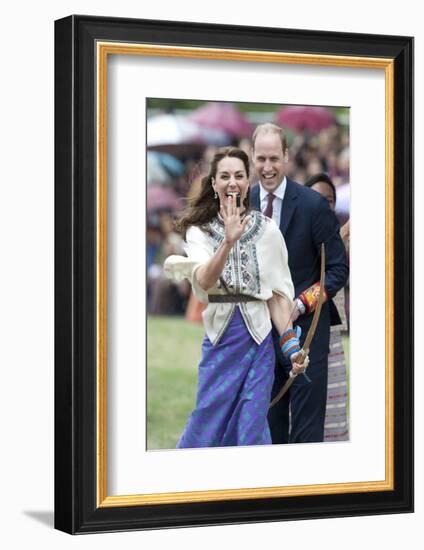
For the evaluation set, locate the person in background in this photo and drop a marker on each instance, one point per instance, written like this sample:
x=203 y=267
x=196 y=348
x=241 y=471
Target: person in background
x=164 y=297
x=336 y=426
x=306 y=221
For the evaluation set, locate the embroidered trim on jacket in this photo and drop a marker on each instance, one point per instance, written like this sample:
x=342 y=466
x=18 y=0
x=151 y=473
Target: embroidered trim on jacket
x=241 y=270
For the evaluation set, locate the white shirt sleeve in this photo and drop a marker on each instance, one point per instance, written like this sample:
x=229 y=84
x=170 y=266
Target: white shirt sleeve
x=198 y=249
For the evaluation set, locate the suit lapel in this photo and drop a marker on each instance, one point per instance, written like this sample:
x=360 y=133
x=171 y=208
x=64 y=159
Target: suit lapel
x=288 y=206
x=254 y=197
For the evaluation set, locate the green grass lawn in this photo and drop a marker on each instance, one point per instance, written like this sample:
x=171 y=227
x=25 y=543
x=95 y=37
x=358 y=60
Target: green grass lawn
x=173 y=354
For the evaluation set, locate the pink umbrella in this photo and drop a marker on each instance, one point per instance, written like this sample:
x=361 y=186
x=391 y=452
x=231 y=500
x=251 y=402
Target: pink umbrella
x=161 y=198
x=302 y=117
x=222 y=116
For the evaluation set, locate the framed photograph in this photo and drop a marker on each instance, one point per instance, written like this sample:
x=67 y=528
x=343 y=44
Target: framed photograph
x=142 y=108
x=319 y=149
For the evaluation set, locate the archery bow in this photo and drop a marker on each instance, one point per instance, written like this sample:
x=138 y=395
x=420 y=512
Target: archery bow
x=311 y=331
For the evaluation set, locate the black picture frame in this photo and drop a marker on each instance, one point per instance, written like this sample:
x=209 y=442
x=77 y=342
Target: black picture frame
x=77 y=508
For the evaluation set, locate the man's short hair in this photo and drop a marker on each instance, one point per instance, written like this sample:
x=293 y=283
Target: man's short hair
x=269 y=128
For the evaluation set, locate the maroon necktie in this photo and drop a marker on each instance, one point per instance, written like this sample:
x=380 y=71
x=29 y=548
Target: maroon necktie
x=268 y=209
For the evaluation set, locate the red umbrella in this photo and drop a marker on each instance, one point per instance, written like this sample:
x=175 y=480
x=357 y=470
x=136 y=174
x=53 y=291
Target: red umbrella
x=222 y=116
x=161 y=198
x=302 y=117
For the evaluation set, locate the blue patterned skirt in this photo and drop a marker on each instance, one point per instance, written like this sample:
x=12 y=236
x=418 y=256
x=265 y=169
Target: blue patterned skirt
x=234 y=389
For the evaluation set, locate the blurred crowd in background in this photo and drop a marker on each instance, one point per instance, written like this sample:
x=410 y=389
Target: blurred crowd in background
x=182 y=137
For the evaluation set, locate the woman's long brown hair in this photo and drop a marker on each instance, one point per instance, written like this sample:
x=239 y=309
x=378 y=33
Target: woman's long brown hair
x=204 y=207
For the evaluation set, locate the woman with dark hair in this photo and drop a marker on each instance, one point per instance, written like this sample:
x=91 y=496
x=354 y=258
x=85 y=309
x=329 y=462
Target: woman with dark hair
x=237 y=265
x=336 y=422
x=323 y=184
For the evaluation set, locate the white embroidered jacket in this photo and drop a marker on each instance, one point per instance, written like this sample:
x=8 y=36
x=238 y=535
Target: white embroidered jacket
x=256 y=266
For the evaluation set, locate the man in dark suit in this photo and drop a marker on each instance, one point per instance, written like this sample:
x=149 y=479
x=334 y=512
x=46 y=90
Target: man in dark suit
x=306 y=221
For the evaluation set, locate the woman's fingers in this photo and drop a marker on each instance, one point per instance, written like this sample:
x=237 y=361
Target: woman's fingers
x=227 y=208
x=223 y=212
x=231 y=205
x=245 y=221
x=299 y=368
x=231 y=215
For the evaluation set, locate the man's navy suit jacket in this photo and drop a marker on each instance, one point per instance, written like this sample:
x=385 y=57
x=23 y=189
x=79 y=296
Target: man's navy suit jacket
x=306 y=222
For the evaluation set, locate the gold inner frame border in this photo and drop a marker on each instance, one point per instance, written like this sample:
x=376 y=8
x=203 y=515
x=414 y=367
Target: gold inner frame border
x=103 y=50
